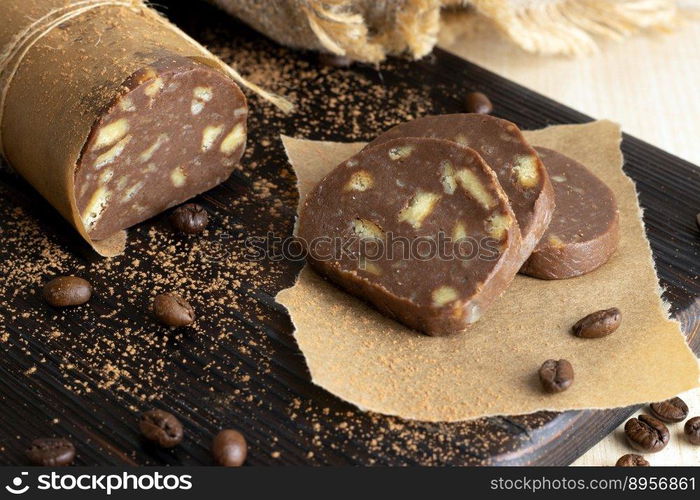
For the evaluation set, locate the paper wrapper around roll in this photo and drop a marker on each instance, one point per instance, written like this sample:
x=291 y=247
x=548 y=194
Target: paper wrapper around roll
x=107 y=95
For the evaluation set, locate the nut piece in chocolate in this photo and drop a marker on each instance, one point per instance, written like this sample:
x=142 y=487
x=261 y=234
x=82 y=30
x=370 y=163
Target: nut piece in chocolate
x=556 y=375
x=172 y=310
x=503 y=147
x=189 y=218
x=598 y=324
x=67 y=291
x=363 y=225
x=51 y=452
x=584 y=231
x=647 y=434
x=161 y=427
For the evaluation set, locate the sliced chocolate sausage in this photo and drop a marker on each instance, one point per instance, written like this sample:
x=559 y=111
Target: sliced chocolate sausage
x=501 y=144
x=177 y=129
x=420 y=228
x=584 y=231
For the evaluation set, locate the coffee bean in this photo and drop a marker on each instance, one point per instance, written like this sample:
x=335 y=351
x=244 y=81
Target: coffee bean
x=632 y=460
x=334 y=60
x=229 y=448
x=161 y=427
x=672 y=410
x=189 y=219
x=67 y=291
x=692 y=430
x=51 y=452
x=478 y=102
x=556 y=376
x=697 y=220
x=172 y=310
x=647 y=433
x=598 y=324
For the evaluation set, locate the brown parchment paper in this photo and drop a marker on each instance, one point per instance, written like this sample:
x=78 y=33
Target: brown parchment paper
x=380 y=365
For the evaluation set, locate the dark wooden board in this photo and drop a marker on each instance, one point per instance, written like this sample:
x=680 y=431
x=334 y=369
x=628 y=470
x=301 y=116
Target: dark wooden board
x=240 y=366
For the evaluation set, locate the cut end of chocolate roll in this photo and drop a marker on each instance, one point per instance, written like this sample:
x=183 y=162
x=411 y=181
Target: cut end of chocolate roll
x=420 y=228
x=176 y=129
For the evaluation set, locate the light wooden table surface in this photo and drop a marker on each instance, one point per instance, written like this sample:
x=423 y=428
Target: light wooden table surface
x=650 y=85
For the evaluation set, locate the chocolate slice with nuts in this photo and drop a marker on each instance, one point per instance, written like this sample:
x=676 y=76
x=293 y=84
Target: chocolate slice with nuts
x=503 y=147
x=172 y=310
x=556 y=375
x=161 y=427
x=672 y=410
x=363 y=224
x=647 y=433
x=67 y=291
x=598 y=324
x=51 y=452
x=189 y=219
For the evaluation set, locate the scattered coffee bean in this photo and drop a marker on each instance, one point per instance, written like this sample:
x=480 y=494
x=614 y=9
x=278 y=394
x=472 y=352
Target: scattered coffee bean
x=334 y=60
x=229 y=448
x=647 y=433
x=556 y=376
x=478 y=102
x=697 y=220
x=67 y=291
x=598 y=324
x=672 y=410
x=172 y=310
x=692 y=430
x=632 y=460
x=51 y=452
x=189 y=219
x=161 y=427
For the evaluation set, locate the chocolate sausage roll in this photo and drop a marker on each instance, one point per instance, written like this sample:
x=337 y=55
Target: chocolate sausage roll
x=501 y=144
x=584 y=231
x=420 y=228
x=111 y=113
